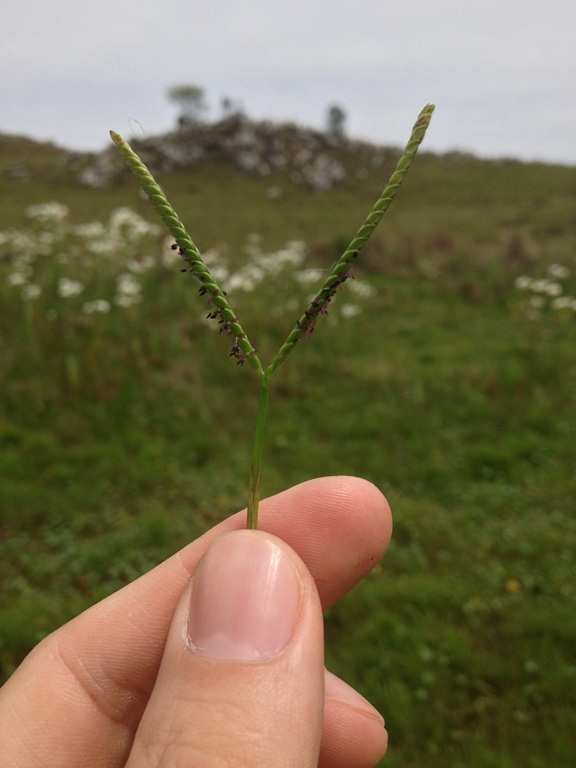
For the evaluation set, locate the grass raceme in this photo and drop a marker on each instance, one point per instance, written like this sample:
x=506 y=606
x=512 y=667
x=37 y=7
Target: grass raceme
x=219 y=307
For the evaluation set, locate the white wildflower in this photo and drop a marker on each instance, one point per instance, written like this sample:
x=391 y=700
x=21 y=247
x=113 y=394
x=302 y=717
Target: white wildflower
x=128 y=224
x=211 y=256
x=46 y=213
x=246 y=279
x=239 y=282
x=31 y=291
x=46 y=239
x=349 y=310
x=564 y=302
x=294 y=253
x=360 y=288
x=90 y=231
x=548 y=287
x=141 y=265
x=254 y=272
x=124 y=300
x=67 y=287
x=17 y=278
x=553 y=289
x=220 y=273
x=127 y=285
x=103 y=246
x=558 y=271
x=98 y=305
x=169 y=256
x=22 y=243
x=539 y=286
x=523 y=282
x=306 y=276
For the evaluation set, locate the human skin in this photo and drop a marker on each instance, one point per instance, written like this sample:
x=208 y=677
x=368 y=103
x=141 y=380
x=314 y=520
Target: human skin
x=214 y=657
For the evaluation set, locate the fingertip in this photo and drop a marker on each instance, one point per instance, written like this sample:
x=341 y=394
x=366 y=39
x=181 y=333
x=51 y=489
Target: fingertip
x=344 y=499
x=352 y=736
x=338 y=690
x=376 y=515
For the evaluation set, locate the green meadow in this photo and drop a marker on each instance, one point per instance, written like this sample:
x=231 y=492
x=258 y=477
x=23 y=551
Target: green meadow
x=445 y=374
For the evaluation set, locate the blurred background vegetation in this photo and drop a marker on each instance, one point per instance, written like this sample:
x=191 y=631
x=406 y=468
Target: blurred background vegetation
x=447 y=379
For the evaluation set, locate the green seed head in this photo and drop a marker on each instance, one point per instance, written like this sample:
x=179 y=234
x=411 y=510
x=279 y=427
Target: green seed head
x=220 y=309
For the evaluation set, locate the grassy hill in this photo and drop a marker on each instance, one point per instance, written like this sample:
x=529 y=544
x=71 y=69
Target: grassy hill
x=447 y=378
x=477 y=200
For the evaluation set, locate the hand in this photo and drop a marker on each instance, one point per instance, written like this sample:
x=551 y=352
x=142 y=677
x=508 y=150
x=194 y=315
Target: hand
x=222 y=669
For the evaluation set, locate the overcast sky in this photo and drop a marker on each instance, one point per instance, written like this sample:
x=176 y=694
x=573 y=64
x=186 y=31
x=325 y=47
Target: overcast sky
x=502 y=73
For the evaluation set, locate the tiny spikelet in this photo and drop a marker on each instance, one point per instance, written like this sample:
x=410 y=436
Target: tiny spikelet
x=220 y=309
x=342 y=269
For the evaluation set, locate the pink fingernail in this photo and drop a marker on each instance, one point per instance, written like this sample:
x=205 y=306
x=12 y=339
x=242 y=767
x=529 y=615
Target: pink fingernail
x=245 y=599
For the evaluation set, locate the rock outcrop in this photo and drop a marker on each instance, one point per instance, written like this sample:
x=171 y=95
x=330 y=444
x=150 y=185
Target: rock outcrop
x=308 y=157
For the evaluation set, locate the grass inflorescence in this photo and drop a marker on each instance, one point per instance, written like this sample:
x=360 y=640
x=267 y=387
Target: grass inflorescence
x=220 y=309
x=216 y=298
x=342 y=269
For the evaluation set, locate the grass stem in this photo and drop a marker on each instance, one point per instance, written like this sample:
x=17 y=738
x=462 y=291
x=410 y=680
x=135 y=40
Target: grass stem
x=257 y=450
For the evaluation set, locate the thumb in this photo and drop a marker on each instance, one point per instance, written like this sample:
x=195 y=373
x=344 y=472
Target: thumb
x=242 y=678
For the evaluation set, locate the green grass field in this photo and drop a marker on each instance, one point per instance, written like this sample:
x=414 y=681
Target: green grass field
x=449 y=383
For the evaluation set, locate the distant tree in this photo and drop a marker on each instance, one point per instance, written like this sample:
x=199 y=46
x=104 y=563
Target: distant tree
x=230 y=108
x=336 y=117
x=190 y=99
